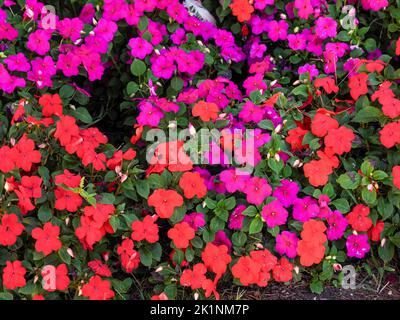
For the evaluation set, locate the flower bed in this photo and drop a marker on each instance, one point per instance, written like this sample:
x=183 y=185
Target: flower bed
x=188 y=146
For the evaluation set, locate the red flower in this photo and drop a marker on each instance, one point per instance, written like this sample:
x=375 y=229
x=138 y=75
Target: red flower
x=205 y=110
x=210 y=287
x=98 y=289
x=89 y=232
x=97 y=160
x=328 y=156
x=55 y=278
x=47 y=238
x=384 y=92
x=38 y=297
x=52 y=104
x=14 y=275
x=31 y=186
x=67 y=200
x=327 y=83
x=26 y=154
x=165 y=202
x=317 y=172
x=295 y=138
x=358 y=218
x=192 y=185
x=161 y=296
x=396 y=176
x=216 y=258
x=310 y=252
x=100 y=268
x=7 y=156
x=339 y=140
x=10 y=229
x=246 y=270
x=145 y=230
x=313 y=230
x=322 y=123
x=130 y=258
x=358 y=85
x=195 y=278
x=100 y=214
x=391 y=107
x=68 y=179
x=181 y=234
x=24 y=203
x=265 y=259
x=282 y=272
x=390 y=134
x=66 y=129
x=375 y=232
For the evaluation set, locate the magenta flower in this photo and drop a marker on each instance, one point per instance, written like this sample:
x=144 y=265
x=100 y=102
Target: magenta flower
x=236 y=218
x=304 y=8
x=190 y=63
x=325 y=27
x=274 y=214
x=87 y=14
x=311 y=69
x=222 y=239
x=259 y=137
x=42 y=71
x=38 y=42
x=233 y=182
x=287 y=192
x=17 y=62
x=337 y=225
x=7 y=31
x=297 y=41
x=195 y=220
x=256 y=190
x=251 y=112
x=106 y=29
x=68 y=64
x=286 y=243
x=163 y=67
x=70 y=28
x=8 y=83
x=179 y=36
x=305 y=209
x=254 y=83
x=277 y=30
x=357 y=246
x=149 y=114
x=140 y=48
x=257 y=50
x=262 y=4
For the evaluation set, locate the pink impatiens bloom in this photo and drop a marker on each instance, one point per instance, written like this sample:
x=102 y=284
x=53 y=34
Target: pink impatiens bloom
x=287 y=192
x=7 y=31
x=305 y=209
x=357 y=246
x=233 y=181
x=38 y=42
x=262 y=4
x=236 y=218
x=337 y=225
x=286 y=243
x=257 y=189
x=325 y=27
x=195 y=220
x=254 y=83
x=274 y=214
x=87 y=14
x=251 y=112
x=163 y=67
x=17 y=62
x=69 y=64
x=140 y=48
x=149 y=115
x=70 y=28
x=277 y=30
x=304 y=8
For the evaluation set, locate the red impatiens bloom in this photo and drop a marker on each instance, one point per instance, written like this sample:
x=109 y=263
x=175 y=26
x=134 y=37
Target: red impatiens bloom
x=26 y=154
x=311 y=247
x=396 y=176
x=181 y=234
x=97 y=160
x=194 y=278
x=68 y=179
x=24 y=202
x=317 y=172
x=265 y=259
x=100 y=268
x=89 y=232
x=67 y=200
x=327 y=83
x=52 y=104
x=246 y=270
x=101 y=213
x=31 y=186
x=130 y=258
x=193 y=185
x=165 y=202
x=390 y=134
x=38 y=297
x=391 y=107
x=47 y=238
x=322 y=123
x=358 y=218
x=7 y=156
x=66 y=129
x=161 y=296
x=339 y=140
x=14 y=275
x=10 y=229
x=216 y=258
x=295 y=138
x=145 y=230
x=358 y=85
x=313 y=230
x=98 y=289
x=375 y=232
x=55 y=278
x=282 y=272
x=205 y=110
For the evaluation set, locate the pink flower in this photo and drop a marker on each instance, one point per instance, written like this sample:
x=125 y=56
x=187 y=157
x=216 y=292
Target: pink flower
x=233 y=182
x=42 y=71
x=253 y=83
x=88 y=13
x=262 y=4
x=149 y=114
x=7 y=31
x=274 y=214
x=179 y=36
x=222 y=239
x=357 y=246
x=287 y=192
x=251 y=112
x=17 y=62
x=236 y=218
x=311 y=69
x=70 y=28
x=277 y=30
x=286 y=243
x=163 y=67
x=337 y=225
x=305 y=209
x=8 y=83
x=106 y=29
x=256 y=190
x=195 y=220
x=140 y=48
x=191 y=62
x=297 y=41
x=325 y=27
x=304 y=8
x=69 y=64
x=38 y=42
x=94 y=67
x=257 y=50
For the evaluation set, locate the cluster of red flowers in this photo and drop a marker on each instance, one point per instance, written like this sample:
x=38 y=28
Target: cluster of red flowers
x=311 y=247
x=130 y=258
x=165 y=202
x=94 y=224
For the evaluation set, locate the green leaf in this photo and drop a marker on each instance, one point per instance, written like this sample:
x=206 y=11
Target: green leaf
x=317 y=287
x=379 y=175
x=143 y=23
x=176 y=83
x=66 y=92
x=44 y=213
x=368 y=114
x=82 y=114
x=250 y=211
x=386 y=252
x=143 y=188
x=266 y=124
x=275 y=165
x=368 y=196
x=146 y=257
x=349 y=180
x=230 y=203
x=138 y=67
x=65 y=257
x=239 y=239
x=342 y=205
x=6 y=296
x=256 y=225
x=114 y=222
